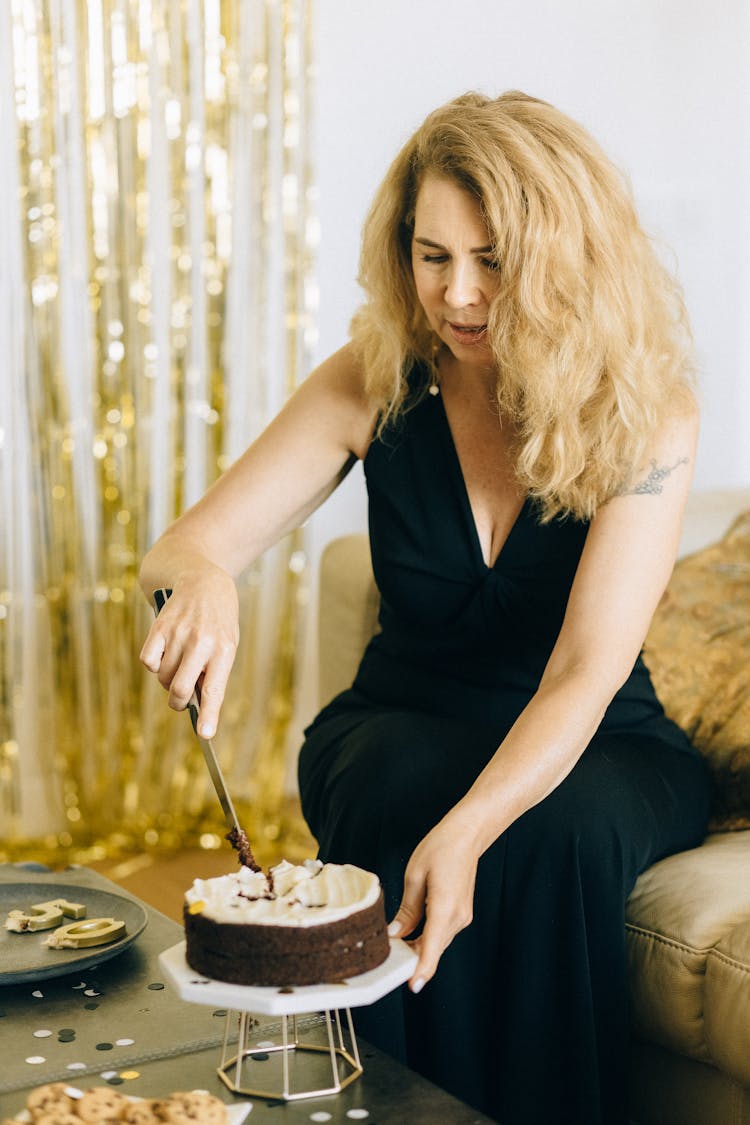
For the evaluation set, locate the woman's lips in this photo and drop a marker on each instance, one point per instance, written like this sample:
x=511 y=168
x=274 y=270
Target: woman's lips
x=468 y=334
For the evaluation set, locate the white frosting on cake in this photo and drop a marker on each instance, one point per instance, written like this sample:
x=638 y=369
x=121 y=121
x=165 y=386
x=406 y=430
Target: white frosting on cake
x=308 y=895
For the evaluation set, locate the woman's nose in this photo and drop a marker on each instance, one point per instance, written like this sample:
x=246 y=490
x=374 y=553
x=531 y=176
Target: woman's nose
x=462 y=287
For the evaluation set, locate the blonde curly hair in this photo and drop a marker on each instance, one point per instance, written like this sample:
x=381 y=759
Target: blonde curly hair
x=588 y=328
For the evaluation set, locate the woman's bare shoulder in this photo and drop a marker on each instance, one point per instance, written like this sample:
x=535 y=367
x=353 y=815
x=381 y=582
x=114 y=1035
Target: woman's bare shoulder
x=337 y=386
x=343 y=370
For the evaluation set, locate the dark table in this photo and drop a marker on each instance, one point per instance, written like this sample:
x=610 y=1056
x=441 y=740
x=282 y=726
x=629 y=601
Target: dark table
x=121 y=1023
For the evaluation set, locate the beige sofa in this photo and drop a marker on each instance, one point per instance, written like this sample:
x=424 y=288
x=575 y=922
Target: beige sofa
x=688 y=918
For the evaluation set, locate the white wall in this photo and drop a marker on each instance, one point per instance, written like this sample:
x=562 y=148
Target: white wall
x=664 y=85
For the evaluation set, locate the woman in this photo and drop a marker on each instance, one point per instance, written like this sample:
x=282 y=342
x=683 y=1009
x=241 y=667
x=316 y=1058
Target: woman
x=518 y=386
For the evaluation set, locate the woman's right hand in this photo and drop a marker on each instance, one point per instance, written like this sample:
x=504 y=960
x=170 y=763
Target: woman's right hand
x=194 y=640
x=272 y=488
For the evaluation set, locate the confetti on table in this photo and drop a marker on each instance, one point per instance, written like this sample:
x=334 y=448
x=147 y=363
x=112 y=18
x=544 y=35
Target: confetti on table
x=321 y=1115
x=38 y=993
x=124 y=1042
x=35 y=1060
x=76 y=1066
x=357 y=1114
x=42 y=1033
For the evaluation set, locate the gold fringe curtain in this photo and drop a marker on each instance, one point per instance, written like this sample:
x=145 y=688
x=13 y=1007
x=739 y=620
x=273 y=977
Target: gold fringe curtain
x=157 y=305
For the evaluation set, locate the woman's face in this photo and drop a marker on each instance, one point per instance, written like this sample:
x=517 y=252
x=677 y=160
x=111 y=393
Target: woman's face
x=454 y=271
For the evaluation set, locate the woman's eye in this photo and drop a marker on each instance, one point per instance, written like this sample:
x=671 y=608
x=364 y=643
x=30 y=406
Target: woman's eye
x=434 y=257
x=491 y=264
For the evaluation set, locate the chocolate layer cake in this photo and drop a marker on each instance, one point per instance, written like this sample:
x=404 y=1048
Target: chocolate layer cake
x=297 y=925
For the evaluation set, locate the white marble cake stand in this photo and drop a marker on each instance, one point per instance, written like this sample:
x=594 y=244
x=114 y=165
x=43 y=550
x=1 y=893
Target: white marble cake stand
x=355 y=992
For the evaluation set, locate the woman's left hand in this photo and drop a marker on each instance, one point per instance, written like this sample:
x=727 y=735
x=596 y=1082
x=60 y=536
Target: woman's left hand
x=439 y=886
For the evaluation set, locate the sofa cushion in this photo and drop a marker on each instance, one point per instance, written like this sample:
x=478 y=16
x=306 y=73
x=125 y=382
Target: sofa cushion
x=698 y=651
x=727 y=1000
x=688 y=944
x=348 y=612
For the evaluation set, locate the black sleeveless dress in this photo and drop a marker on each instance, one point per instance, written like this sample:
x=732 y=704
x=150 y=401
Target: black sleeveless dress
x=526 y=1018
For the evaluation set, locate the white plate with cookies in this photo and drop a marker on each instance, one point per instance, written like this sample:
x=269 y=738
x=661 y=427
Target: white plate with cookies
x=67 y=1105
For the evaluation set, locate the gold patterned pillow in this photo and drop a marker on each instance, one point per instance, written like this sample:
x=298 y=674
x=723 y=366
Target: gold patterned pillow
x=698 y=652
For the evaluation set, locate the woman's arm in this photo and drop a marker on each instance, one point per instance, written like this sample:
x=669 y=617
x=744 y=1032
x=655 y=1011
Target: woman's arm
x=283 y=477
x=625 y=565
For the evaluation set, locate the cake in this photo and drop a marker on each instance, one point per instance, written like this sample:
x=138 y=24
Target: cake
x=297 y=925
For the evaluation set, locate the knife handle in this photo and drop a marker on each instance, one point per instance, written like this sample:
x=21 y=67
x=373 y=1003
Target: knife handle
x=160 y=600
x=236 y=833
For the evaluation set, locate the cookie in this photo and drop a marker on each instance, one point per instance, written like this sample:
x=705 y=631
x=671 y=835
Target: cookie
x=149 y=1111
x=187 y=1109
x=101 y=1104
x=47 y=1098
x=57 y=1117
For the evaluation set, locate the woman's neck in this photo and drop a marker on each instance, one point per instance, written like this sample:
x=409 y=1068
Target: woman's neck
x=474 y=382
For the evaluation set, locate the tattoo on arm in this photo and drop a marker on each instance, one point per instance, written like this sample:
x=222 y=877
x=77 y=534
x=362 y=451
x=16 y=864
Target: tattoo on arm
x=653 y=483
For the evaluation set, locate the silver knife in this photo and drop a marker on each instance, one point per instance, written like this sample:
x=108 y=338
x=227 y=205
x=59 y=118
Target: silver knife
x=217 y=777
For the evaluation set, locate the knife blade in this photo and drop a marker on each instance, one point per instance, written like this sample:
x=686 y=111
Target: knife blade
x=209 y=754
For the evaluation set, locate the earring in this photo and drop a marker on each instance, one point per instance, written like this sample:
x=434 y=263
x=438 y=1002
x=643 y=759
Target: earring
x=434 y=384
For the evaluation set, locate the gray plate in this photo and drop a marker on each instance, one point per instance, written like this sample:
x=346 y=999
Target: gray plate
x=23 y=957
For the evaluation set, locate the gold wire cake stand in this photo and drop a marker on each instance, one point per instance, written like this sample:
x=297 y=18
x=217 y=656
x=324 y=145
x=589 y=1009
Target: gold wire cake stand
x=243 y=1002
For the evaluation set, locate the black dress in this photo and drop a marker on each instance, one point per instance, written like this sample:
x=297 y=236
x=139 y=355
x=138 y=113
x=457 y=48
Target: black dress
x=526 y=1018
